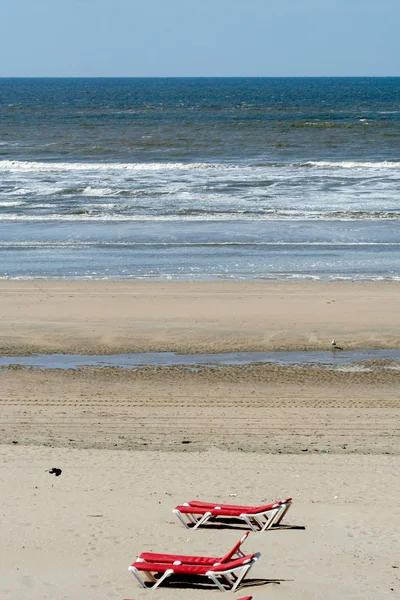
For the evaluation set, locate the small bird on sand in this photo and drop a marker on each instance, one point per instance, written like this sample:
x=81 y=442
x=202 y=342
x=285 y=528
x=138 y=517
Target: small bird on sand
x=55 y=471
x=335 y=346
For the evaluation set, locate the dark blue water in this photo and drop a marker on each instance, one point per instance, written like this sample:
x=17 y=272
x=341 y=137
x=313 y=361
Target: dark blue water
x=200 y=178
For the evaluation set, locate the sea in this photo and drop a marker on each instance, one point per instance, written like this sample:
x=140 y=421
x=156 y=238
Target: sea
x=200 y=179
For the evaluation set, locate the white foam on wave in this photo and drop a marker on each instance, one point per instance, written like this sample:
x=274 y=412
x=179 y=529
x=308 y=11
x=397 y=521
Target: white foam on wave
x=7 y=204
x=216 y=243
x=352 y=164
x=126 y=218
x=110 y=211
x=93 y=191
x=25 y=166
x=96 y=167
x=232 y=216
x=20 y=192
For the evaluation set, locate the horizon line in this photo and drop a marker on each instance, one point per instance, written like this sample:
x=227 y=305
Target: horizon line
x=199 y=76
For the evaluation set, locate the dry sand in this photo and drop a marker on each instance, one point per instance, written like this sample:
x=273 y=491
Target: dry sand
x=329 y=439
x=74 y=536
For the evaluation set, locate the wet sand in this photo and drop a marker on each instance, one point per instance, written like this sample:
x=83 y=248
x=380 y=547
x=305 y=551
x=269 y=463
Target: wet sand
x=255 y=409
x=98 y=317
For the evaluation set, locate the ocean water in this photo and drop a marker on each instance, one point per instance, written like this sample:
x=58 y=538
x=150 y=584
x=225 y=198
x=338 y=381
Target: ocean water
x=200 y=178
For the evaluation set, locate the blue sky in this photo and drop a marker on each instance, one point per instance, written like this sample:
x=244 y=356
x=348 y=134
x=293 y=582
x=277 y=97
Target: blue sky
x=181 y=38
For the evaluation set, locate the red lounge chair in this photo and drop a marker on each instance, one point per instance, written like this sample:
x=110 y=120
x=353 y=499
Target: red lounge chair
x=258 y=518
x=226 y=576
x=234 y=553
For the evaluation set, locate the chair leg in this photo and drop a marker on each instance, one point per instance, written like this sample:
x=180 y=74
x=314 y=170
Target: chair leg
x=180 y=517
x=215 y=580
x=203 y=519
x=195 y=523
x=241 y=576
x=248 y=522
x=167 y=573
x=136 y=574
x=232 y=579
x=261 y=522
x=270 y=519
x=282 y=513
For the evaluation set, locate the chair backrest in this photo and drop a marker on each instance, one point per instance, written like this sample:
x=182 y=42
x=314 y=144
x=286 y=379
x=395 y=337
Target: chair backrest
x=235 y=549
x=232 y=564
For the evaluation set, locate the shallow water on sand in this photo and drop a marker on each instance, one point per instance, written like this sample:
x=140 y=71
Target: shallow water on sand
x=330 y=359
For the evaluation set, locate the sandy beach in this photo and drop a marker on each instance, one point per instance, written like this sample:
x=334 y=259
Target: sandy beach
x=119 y=316
x=74 y=536
x=133 y=444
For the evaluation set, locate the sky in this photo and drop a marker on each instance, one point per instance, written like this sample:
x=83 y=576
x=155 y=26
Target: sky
x=199 y=38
